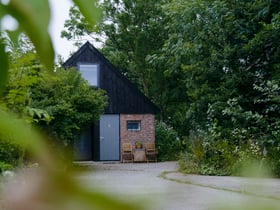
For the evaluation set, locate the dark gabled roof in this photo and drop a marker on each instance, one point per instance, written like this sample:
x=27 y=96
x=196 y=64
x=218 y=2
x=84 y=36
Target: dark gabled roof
x=124 y=97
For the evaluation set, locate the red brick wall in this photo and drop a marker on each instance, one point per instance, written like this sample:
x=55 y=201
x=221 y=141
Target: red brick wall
x=146 y=134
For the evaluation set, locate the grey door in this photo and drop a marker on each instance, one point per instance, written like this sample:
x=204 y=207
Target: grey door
x=109 y=137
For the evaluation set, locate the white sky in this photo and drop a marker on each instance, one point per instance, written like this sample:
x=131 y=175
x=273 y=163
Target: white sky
x=59 y=13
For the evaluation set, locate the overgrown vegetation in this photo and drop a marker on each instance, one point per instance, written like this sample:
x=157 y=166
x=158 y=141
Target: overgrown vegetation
x=11 y=155
x=221 y=157
x=167 y=142
x=70 y=102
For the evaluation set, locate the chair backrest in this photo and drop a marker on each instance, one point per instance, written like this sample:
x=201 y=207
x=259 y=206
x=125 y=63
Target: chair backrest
x=127 y=147
x=150 y=147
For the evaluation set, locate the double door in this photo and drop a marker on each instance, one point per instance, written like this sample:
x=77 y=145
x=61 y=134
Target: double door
x=105 y=146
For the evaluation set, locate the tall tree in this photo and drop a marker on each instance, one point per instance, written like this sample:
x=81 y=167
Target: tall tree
x=217 y=47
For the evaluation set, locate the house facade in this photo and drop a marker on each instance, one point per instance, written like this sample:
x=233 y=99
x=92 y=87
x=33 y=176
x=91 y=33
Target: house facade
x=129 y=116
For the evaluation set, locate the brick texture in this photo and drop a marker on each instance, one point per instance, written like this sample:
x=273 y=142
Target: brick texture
x=146 y=134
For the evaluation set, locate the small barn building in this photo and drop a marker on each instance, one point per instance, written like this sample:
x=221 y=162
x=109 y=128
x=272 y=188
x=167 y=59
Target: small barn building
x=128 y=118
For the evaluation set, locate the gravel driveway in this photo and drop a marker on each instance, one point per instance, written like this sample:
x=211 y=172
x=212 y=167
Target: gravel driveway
x=160 y=187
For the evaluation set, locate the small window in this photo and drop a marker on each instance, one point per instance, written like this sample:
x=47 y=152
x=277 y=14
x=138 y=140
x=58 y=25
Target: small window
x=90 y=72
x=134 y=125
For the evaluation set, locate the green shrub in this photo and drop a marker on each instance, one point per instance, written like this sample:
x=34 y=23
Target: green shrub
x=167 y=142
x=5 y=166
x=248 y=156
x=207 y=157
x=11 y=155
x=187 y=164
x=271 y=159
x=222 y=157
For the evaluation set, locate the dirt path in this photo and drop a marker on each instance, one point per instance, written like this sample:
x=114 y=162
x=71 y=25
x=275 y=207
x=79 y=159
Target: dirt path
x=157 y=190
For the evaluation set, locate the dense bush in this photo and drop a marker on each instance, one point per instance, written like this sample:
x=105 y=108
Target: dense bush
x=11 y=155
x=221 y=157
x=167 y=142
x=71 y=103
x=60 y=104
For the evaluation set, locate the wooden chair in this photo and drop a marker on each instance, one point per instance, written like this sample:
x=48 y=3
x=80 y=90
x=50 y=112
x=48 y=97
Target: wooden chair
x=151 y=152
x=127 y=152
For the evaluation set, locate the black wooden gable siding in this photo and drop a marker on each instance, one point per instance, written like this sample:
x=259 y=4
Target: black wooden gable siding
x=124 y=97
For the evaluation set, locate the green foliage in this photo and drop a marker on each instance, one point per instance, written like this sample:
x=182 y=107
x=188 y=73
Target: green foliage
x=70 y=102
x=167 y=142
x=4 y=66
x=11 y=154
x=77 y=26
x=24 y=73
x=272 y=160
x=61 y=104
x=219 y=48
x=227 y=54
x=34 y=25
x=222 y=157
x=89 y=10
x=4 y=166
